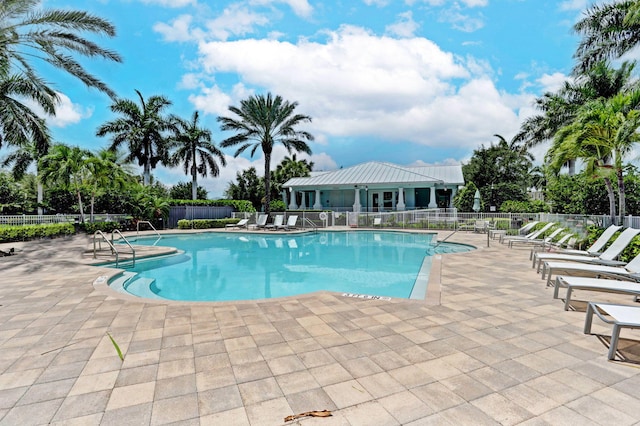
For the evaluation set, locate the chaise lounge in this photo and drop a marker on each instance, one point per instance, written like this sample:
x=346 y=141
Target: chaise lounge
x=606 y=258
x=593 y=250
x=620 y=316
x=593 y=284
x=243 y=223
x=630 y=271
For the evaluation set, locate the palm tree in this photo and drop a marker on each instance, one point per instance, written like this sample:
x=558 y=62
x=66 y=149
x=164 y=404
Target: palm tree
x=142 y=128
x=29 y=32
x=262 y=122
x=608 y=31
x=105 y=169
x=66 y=166
x=19 y=125
x=288 y=168
x=195 y=143
x=560 y=108
x=604 y=132
x=20 y=159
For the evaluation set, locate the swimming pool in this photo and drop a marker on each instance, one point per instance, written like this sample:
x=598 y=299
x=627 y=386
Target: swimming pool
x=224 y=266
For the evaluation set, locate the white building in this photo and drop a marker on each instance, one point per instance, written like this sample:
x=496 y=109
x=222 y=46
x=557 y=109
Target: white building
x=374 y=187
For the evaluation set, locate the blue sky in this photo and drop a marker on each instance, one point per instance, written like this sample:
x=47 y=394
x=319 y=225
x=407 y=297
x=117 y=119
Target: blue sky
x=414 y=81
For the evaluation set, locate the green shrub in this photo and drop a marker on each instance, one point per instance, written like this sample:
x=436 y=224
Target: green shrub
x=91 y=228
x=205 y=223
x=32 y=232
x=532 y=206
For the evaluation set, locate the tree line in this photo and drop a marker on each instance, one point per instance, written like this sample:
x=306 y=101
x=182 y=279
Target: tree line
x=592 y=119
x=142 y=132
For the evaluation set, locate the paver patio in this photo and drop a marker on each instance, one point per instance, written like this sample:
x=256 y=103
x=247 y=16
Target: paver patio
x=497 y=349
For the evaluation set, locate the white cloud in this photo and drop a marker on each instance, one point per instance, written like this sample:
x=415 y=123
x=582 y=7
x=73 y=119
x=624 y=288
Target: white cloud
x=552 y=82
x=67 y=112
x=572 y=5
x=178 y=30
x=461 y=21
x=357 y=84
x=404 y=27
x=171 y=3
x=301 y=8
x=379 y=3
x=236 y=20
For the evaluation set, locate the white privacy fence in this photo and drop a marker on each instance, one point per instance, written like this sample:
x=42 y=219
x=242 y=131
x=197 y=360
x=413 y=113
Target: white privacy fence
x=435 y=219
x=57 y=218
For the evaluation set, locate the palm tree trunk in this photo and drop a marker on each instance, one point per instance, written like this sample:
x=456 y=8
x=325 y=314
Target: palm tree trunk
x=267 y=182
x=146 y=174
x=612 y=200
x=80 y=206
x=194 y=181
x=93 y=199
x=39 y=196
x=621 y=194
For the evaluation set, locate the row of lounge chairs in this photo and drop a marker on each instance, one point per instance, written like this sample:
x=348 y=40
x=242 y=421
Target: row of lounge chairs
x=278 y=223
x=596 y=269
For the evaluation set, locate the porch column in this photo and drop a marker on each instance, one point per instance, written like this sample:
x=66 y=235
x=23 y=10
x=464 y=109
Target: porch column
x=400 y=206
x=303 y=203
x=284 y=196
x=292 y=202
x=432 y=198
x=356 y=204
x=318 y=204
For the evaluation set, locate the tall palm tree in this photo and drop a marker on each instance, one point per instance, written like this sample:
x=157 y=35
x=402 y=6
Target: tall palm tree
x=195 y=150
x=66 y=166
x=560 y=108
x=143 y=129
x=19 y=125
x=20 y=159
x=28 y=32
x=603 y=133
x=608 y=31
x=262 y=121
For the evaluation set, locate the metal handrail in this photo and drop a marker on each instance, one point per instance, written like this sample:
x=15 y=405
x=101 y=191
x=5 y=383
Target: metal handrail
x=104 y=237
x=148 y=223
x=133 y=251
x=444 y=239
x=310 y=222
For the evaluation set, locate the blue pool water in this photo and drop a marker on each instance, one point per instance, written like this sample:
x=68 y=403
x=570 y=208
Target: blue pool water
x=247 y=266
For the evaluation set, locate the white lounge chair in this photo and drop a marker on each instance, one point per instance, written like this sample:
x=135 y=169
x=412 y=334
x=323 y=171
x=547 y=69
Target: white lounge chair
x=502 y=233
x=377 y=221
x=630 y=271
x=277 y=223
x=567 y=240
x=243 y=223
x=530 y=236
x=291 y=223
x=620 y=316
x=606 y=258
x=593 y=250
x=593 y=284
x=536 y=241
x=261 y=222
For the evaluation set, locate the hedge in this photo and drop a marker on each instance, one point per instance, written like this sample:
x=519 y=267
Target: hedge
x=205 y=223
x=31 y=232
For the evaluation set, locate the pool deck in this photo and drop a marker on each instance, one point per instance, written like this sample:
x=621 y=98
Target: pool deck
x=494 y=348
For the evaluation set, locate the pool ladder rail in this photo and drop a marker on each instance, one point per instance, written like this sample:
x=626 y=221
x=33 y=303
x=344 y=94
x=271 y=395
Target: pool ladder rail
x=114 y=251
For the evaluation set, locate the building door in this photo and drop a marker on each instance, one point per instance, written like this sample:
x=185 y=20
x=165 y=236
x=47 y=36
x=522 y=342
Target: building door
x=375 y=200
x=422 y=198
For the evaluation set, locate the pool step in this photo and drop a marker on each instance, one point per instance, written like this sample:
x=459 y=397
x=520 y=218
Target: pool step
x=130 y=283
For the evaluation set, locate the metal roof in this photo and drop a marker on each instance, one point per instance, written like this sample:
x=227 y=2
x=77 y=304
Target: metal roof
x=377 y=173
